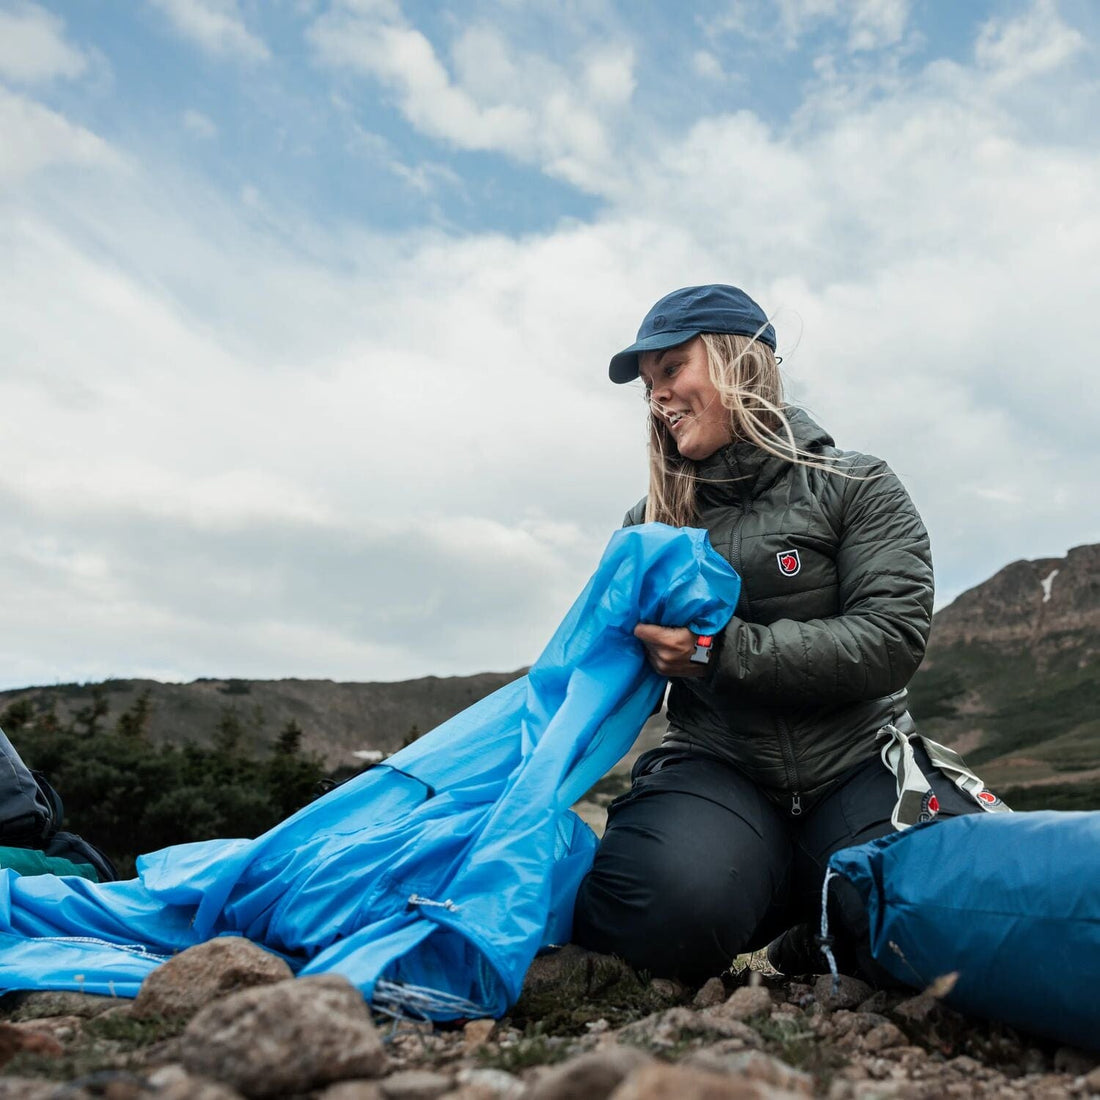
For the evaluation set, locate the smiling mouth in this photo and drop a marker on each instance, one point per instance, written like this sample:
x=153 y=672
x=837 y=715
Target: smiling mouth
x=674 y=418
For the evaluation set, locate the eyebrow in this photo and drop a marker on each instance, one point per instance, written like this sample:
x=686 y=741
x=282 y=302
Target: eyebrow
x=659 y=360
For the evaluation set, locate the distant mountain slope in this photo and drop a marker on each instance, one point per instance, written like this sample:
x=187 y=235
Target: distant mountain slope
x=336 y=718
x=1012 y=673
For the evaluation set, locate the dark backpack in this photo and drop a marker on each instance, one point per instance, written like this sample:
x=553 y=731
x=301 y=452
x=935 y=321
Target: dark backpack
x=31 y=812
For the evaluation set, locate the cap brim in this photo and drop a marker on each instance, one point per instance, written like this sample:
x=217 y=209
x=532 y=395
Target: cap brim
x=624 y=366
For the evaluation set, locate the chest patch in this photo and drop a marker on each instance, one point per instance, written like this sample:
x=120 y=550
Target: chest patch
x=789 y=562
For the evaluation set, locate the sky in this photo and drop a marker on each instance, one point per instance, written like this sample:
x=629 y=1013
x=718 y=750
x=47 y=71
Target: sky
x=306 y=307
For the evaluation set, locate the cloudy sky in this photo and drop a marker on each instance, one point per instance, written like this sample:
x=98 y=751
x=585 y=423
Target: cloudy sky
x=305 y=305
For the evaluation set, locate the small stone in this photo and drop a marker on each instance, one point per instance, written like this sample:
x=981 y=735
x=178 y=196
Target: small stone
x=476 y=1033
x=63 y=1028
x=352 y=1090
x=753 y=1065
x=19 y=1038
x=27 y=1088
x=671 y=1027
x=919 y=1008
x=414 y=1084
x=883 y=1036
x=668 y=989
x=590 y=1076
x=849 y=992
x=494 y=1083
x=660 y=1081
x=745 y=1002
x=202 y=974
x=712 y=993
x=283 y=1038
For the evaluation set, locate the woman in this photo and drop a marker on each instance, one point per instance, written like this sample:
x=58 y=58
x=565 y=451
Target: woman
x=773 y=756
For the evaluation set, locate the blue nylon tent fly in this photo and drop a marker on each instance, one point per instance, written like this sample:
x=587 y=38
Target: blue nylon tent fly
x=432 y=880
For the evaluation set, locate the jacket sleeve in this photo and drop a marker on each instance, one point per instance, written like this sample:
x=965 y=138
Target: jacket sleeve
x=876 y=642
x=636 y=514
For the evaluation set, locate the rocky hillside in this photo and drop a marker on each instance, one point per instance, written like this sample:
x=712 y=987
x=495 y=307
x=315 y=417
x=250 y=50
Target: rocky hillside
x=1012 y=674
x=337 y=719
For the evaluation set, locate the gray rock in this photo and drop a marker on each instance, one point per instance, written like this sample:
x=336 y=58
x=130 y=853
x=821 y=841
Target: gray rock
x=51 y=1002
x=919 y=1008
x=671 y=1027
x=749 y=1000
x=491 y=1083
x=285 y=1038
x=196 y=1088
x=712 y=993
x=26 y=1088
x=884 y=1036
x=590 y=1076
x=352 y=1090
x=414 y=1084
x=201 y=974
x=849 y=993
x=476 y=1033
x=753 y=1065
x=659 y=1081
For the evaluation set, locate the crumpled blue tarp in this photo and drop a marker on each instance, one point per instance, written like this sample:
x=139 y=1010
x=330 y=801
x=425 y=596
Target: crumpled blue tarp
x=429 y=881
x=1008 y=902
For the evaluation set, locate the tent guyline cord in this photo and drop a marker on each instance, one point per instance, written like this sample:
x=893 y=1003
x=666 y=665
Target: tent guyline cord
x=133 y=948
x=825 y=940
x=401 y=1001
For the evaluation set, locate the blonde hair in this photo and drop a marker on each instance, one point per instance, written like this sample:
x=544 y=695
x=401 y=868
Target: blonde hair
x=745 y=374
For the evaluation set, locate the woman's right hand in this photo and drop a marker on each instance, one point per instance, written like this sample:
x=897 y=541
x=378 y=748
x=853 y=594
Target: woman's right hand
x=669 y=649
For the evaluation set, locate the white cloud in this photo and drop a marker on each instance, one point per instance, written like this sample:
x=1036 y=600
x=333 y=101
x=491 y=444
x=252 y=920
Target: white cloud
x=216 y=26
x=202 y=126
x=868 y=24
x=1033 y=44
x=35 y=137
x=33 y=46
x=706 y=65
x=236 y=445
x=500 y=97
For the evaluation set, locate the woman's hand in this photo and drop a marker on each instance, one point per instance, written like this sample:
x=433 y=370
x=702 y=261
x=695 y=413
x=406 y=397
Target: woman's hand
x=669 y=649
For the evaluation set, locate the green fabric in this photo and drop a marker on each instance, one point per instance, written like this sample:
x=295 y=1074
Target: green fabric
x=813 y=664
x=30 y=861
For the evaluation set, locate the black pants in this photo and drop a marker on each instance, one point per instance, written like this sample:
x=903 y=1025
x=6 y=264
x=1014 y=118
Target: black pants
x=698 y=865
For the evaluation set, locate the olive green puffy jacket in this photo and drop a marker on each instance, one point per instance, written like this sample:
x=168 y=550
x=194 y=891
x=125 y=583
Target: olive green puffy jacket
x=835 y=608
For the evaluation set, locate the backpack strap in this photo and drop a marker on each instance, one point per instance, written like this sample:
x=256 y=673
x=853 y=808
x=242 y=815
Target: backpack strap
x=915 y=797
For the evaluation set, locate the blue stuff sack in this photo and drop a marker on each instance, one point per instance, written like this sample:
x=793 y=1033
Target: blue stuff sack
x=431 y=880
x=1008 y=902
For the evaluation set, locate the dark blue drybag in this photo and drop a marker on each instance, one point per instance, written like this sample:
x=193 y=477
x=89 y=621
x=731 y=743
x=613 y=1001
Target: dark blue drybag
x=1008 y=902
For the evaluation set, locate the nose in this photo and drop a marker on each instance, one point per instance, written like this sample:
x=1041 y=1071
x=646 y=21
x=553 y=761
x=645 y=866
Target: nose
x=661 y=390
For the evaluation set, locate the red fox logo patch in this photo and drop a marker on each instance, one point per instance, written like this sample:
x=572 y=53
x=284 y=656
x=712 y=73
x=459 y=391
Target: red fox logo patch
x=789 y=562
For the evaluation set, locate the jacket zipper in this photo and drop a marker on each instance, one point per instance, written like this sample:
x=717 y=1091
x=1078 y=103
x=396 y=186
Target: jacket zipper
x=790 y=765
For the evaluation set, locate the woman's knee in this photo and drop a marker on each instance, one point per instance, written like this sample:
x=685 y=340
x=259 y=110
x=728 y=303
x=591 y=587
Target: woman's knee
x=683 y=900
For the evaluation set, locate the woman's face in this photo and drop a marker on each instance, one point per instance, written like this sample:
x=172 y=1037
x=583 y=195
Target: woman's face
x=683 y=396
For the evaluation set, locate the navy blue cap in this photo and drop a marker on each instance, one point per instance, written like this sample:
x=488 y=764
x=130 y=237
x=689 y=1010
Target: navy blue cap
x=687 y=312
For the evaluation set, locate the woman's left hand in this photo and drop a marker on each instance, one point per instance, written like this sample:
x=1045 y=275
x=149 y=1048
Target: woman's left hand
x=669 y=649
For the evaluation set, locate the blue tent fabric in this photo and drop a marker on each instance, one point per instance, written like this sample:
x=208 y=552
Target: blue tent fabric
x=1009 y=902
x=431 y=880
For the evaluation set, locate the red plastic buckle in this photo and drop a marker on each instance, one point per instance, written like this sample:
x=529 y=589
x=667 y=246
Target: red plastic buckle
x=703 y=643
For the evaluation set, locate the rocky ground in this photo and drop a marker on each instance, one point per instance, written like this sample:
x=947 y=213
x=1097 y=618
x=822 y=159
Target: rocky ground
x=225 y=1020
